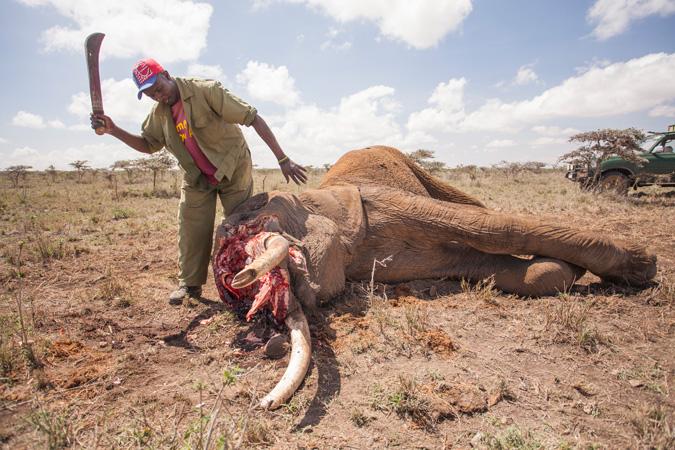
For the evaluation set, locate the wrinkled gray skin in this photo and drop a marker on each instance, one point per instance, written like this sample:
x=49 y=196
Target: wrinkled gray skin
x=375 y=202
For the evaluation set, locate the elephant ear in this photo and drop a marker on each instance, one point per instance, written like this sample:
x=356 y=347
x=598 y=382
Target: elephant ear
x=326 y=257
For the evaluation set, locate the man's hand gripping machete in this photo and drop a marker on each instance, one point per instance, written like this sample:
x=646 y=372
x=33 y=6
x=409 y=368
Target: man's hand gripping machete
x=92 y=46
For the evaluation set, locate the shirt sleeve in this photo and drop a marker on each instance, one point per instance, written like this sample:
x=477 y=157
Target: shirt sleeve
x=151 y=131
x=228 y=106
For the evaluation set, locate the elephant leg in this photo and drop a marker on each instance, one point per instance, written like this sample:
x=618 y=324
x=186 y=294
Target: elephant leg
x=529 y=277
x=535 y=277
x=532 y=277
x=399 y=216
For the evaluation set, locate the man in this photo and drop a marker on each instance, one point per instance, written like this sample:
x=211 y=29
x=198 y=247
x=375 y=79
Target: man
x=197 y=121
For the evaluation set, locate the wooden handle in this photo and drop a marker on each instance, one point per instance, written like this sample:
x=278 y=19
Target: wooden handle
x=100 y=130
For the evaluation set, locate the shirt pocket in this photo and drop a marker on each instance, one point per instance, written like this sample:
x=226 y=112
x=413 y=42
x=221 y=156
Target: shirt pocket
x=202 y=118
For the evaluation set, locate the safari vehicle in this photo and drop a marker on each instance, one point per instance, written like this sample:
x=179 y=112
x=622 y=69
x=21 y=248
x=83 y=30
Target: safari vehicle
x=618 y=175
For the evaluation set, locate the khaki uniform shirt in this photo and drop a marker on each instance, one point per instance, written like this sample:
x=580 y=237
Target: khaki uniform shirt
x=212 y=113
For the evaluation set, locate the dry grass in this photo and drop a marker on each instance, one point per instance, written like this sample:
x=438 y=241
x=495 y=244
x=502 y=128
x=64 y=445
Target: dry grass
x=654 y=428
x=483 y=291
x=116 y=367
x=406 y=400
x=511 y=439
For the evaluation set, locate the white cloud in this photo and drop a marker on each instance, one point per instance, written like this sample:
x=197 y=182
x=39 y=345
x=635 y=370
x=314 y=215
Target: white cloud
x=553 y=131
x=119 y=101
x=269 y=83
x=80 y=127
x=331 y=43
x=663 y=111
x=613 y=17
x=20 y=156
x=501 y=143
x=620 y=88
x=135 y=28
x=420 y=24
x=3 y=141
x=525 y=75
x=447 y=109
x=28 y=120
x=206 y=71
x=364 y=118
x=22 y=152
x=592 y=64
x=548 y=140
x=333 y=33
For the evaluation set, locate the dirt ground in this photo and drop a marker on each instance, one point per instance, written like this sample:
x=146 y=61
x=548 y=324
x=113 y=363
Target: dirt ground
x=103 y=361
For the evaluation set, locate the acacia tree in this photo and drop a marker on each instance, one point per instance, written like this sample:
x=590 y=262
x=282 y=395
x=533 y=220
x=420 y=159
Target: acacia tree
x=81 y=166
x=471 y=170
x=16 y=173
x=507 y=168
x=126 y=165
x=517 y=168
x=425 y=158
x=112 y=178
x=157 y=163
x=597 y=146
x=534 y=166
x=51 y=171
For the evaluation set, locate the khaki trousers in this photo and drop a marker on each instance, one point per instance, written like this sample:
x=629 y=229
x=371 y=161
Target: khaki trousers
x=196 y=216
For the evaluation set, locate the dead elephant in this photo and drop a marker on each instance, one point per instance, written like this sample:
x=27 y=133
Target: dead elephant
x=279 y=247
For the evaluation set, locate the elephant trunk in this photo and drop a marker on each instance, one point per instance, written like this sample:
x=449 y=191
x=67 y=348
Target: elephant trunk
x=609 y=258
x=503 y=234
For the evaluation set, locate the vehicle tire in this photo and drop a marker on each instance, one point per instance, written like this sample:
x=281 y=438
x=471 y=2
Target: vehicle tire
x=615 y=182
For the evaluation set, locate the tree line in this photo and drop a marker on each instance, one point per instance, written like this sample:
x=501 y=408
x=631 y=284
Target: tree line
x=156 y=163
x=594 y=148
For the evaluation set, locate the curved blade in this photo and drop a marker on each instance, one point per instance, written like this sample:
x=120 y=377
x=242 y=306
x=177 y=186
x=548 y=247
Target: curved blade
x=92 y=46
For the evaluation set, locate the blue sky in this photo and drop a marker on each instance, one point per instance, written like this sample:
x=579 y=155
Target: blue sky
x=476 y=81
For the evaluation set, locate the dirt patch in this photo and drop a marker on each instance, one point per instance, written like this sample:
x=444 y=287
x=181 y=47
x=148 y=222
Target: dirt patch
x=438 y=341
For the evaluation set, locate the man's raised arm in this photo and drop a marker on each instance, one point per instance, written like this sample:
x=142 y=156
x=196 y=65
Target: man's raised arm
x=134 y=141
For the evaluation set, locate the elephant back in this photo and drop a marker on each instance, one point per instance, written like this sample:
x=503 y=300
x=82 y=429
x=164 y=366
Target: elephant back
x=387 y=167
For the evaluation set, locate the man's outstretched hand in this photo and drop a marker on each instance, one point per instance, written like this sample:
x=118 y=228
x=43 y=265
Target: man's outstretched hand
x=293 y=171
x=102 y=121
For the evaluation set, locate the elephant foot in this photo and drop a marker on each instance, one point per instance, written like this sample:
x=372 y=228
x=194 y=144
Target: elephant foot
x=638 y=268
x=538 y=277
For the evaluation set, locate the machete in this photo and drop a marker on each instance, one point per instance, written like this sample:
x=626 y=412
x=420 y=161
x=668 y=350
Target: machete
x=92 y=46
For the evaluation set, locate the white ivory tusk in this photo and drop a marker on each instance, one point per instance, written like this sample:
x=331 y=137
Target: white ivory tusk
x=276 y=249
x=301 y=350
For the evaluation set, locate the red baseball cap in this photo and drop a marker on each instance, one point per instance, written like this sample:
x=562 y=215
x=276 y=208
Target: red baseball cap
x=145 y=74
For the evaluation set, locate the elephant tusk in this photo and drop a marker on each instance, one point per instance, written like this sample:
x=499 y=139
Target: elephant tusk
x=276 y=249
x=301 y=348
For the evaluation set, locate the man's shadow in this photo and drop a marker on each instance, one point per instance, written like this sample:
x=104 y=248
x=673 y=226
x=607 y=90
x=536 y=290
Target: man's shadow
x=180 y=339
